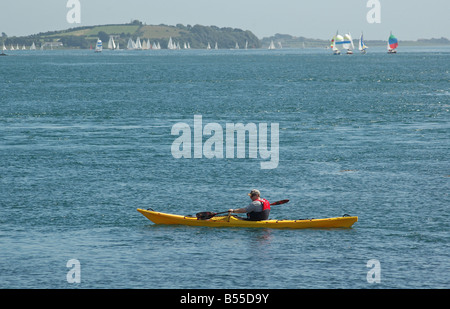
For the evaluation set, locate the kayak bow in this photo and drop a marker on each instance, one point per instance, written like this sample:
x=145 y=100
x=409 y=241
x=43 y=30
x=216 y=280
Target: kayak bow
x=232 y=221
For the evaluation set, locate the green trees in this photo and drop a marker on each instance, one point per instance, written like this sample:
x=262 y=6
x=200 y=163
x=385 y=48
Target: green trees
x=199 y=36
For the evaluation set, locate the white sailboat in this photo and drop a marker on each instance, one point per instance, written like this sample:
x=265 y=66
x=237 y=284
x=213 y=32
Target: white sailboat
x=216 y=47
x=33 y=46
x=236 y=46
x=130 y=44
x=361 y=46
x=138 y=43
x=246 y=44
x=111 y=43
x=208 y=47
x=348 y=43
x=170 y=45
x=149 y=45
x=271 y=46
x=99 y=46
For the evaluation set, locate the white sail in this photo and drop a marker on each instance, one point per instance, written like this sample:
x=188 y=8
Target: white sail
x=170 y=44
x=111 y=43
x=33 y=46
x=138 y=43
x=189 y=46
x=237 y=46
x=271 y=46
x=130 y=44
x=149 y=45
x=346 y=43
x=216 y=47
x=208 y=47
x=246 y=44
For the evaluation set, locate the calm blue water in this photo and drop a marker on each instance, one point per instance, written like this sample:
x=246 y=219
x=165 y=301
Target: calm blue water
x=85 y=139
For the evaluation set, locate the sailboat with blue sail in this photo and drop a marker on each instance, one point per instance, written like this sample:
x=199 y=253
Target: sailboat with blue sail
x=362 y=46
x=337 y=43
x=99 y=46
x=392 y=44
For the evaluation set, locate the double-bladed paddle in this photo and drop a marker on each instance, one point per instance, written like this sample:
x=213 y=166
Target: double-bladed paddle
x=208 y=214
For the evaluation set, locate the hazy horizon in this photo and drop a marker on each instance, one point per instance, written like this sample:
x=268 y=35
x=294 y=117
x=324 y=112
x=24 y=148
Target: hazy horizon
x=408 y=19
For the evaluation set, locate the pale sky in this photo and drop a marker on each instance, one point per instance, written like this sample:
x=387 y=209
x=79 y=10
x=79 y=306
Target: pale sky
x=408 y=19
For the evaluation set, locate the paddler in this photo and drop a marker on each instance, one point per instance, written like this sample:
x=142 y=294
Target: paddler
x=257 y=210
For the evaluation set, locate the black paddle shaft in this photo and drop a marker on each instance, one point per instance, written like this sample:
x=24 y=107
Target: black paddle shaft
x=208 y=214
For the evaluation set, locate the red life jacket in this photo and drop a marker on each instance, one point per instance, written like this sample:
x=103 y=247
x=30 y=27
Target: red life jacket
x=265 y=203
x=260 y=215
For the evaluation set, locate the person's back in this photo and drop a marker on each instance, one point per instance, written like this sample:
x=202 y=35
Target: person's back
x=257 y=210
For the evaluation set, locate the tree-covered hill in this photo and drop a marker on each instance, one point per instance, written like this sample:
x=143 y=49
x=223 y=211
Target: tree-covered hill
x=197 y=36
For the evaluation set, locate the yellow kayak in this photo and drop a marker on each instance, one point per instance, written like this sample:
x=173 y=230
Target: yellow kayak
x=232 y=221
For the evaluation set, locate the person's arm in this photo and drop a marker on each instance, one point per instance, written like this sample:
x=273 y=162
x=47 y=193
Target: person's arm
x=239 y=210
x=249 y=208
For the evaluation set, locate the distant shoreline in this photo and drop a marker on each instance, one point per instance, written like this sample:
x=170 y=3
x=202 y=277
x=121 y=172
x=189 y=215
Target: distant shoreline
x=198 y=36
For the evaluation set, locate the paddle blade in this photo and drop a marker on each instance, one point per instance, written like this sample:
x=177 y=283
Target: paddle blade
x=279 y=202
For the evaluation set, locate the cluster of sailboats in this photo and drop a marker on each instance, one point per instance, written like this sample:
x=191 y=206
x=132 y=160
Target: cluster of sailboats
x=139 y=45
x=146 y=44
x=272 y=45
x=32 y=47
x=345 y=43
